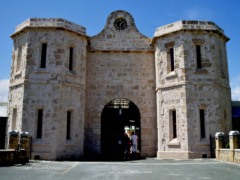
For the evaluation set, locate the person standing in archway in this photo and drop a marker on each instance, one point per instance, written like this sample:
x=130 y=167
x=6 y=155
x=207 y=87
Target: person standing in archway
x=126 y=146
x=134 y=139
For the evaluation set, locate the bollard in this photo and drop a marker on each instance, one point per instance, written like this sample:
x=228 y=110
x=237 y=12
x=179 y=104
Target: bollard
x=233 y=139
x=25 y=144
x=219 y=140
x=25 y=140
x=13 y=139
x=219 y=143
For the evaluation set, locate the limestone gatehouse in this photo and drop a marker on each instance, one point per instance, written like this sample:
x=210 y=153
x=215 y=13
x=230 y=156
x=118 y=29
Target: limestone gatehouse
x=77 y=95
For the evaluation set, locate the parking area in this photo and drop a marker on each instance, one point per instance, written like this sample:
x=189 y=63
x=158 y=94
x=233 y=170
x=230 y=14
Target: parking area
x=150 y=168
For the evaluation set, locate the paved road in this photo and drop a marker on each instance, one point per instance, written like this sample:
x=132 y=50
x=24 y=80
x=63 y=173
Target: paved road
x=150 y=169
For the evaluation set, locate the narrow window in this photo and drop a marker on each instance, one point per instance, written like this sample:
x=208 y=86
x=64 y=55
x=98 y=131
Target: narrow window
x=202 y=123
x=68 y=124
x=171 y=53
x=43 y=55
x=71 y=59
x=225 y=116
x=174 y=124
x=39 y=123
x=222 y=62
x=198 y=53
x=14 y=118
x=19 y=58
x=170 y=56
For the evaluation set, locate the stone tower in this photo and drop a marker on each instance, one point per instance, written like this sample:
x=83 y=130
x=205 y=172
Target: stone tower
x=77 y=95
x=192 y=86
x=47 y=86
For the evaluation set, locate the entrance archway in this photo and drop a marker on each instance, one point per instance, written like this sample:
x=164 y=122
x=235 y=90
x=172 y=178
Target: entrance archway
x=119 y=116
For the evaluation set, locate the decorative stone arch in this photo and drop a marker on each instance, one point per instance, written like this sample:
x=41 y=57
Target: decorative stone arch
x=120 y=14
x=100 y=103
x=118 y=116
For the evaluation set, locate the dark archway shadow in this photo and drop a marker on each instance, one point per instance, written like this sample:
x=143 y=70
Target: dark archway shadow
x=119 y=116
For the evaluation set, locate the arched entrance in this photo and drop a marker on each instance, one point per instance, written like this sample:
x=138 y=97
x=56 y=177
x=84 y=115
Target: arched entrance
x=119 y=116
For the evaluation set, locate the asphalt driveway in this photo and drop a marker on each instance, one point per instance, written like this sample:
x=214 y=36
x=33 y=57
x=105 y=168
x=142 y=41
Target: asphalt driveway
x=150 y=169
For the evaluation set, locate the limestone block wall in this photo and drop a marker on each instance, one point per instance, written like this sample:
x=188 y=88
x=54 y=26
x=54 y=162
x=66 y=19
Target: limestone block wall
x=125 y=40
x=208 y=89
x=59 y=23
x=18 y=71
x=217 y=115
x=191 y=87
x=15 y=107
x=19 y=56
x=55 y=88
x=171 y=96
x=130 y=76
x=120 y=64
x=232 y=154
x=172 y=99
x=237 y=156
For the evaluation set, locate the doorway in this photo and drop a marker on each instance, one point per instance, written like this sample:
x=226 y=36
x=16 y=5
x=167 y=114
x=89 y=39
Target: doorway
x=119 y=116
x=3 y=123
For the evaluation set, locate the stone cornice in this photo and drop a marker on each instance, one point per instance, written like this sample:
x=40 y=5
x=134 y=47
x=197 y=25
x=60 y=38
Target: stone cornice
x=188 y=83
x=120 y=51
x=27 y=81
x=50 y=23
x=184 y=25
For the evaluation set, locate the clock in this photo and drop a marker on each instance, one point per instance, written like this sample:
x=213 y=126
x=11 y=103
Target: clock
x=120 y=24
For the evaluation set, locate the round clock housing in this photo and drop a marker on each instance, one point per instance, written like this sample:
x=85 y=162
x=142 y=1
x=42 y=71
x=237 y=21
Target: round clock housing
x=120 y=24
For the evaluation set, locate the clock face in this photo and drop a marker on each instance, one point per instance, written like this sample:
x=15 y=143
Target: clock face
x=120 y=24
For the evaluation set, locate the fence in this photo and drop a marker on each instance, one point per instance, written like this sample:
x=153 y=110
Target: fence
x=223 y=153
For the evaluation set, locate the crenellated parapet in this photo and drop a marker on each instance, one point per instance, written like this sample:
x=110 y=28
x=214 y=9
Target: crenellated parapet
x=188 y=25
x=58 y=23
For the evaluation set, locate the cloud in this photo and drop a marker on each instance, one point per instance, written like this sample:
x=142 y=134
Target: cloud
x=235 y=88
x=236 y=93
x=192 y=14
x=3 y=111
x=199 y=13
x=4 y=87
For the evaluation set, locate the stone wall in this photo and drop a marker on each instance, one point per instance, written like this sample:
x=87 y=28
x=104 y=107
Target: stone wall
x=55 y=89
x=187 y=89
x=233 y=153
x=121 y=75
x=237 y=156
x=120 y=64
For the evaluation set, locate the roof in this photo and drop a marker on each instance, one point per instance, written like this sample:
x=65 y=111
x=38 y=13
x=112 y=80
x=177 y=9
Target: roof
x=188 y=25
x=58 y=23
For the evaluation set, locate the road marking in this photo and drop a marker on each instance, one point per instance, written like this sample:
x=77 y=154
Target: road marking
x=69 y=168
x=153 y=164
x=51 y=167
x=131 y=172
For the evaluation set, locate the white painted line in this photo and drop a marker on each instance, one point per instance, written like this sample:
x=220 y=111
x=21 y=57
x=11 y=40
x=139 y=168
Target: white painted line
x=69 y=168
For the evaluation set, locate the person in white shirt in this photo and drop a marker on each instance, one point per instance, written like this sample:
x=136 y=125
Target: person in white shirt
x=134 y=139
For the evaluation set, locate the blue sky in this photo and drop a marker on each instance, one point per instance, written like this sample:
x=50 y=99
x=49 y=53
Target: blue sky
x=148 y=15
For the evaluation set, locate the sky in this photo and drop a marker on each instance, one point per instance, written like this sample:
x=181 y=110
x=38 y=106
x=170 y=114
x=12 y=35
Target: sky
x=148 y=15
